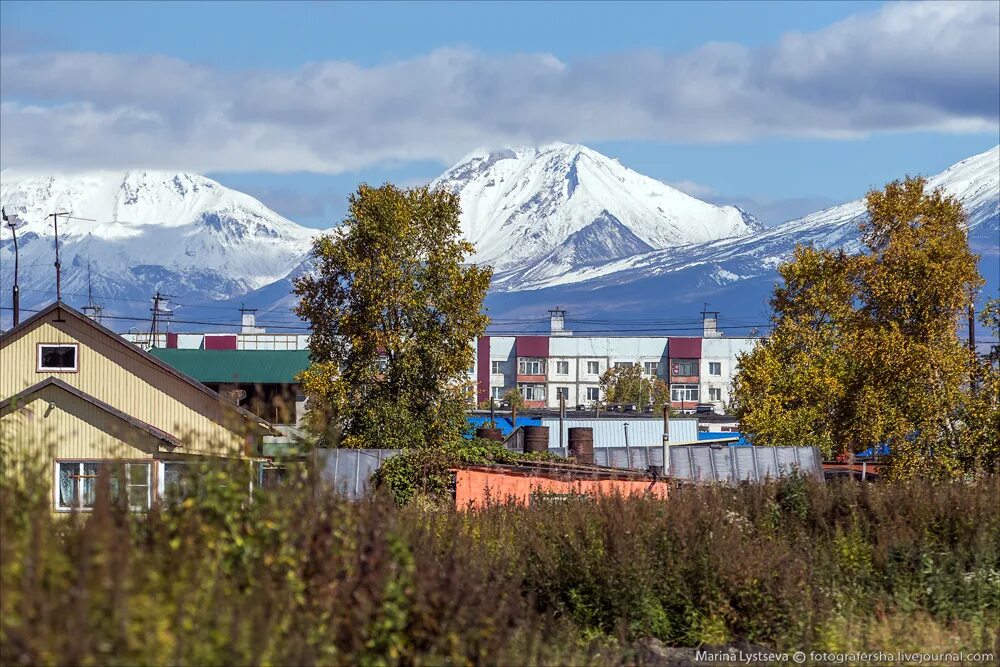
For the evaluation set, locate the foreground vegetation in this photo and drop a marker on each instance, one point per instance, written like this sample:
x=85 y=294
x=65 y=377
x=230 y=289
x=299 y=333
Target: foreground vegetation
x=300 y=577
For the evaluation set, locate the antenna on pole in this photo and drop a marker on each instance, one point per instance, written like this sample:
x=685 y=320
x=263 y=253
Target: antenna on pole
x=55 y=224
x=92 y=309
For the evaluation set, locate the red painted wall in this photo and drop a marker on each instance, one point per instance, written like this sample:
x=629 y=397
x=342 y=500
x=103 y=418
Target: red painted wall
x=684 y=348
x=220 y=342
x=531 y=346
x=483 y=371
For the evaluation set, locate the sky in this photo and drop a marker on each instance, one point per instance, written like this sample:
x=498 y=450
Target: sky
x=781 y=108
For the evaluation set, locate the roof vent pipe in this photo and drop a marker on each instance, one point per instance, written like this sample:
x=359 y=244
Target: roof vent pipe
x=557 y=322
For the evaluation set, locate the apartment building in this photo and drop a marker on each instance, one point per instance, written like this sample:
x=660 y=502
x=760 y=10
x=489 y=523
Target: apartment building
x=698 y=369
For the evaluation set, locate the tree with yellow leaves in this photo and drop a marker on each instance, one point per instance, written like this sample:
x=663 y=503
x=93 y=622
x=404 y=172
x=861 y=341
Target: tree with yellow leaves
x=392 y=307
x=865 y=349
x=628 y=385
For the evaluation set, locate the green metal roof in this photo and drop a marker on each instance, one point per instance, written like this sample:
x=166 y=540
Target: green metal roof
x=237 y=366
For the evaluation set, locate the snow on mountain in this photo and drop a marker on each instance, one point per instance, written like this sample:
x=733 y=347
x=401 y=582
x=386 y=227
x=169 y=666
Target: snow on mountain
x=562 y=206
x=738 y=273
x=975 y=182
x=560 y=224
x=179 y=233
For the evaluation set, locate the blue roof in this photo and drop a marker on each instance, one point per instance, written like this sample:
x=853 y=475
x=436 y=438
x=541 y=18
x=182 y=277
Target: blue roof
x=742 y=442
x=503 y=423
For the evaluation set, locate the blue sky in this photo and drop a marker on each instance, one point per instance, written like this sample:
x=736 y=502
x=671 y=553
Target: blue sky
x=778 y=107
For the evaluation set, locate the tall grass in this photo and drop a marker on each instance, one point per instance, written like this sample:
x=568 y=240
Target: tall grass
x=297 y=576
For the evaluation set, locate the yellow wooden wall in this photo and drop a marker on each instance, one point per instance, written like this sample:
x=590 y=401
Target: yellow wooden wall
x=111 y=371
x=56 y=424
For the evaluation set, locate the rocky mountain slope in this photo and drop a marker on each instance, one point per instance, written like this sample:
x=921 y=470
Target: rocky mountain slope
x=559 y=207
x=143 y=231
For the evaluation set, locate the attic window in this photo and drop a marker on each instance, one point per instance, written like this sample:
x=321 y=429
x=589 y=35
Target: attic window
x=57 y=358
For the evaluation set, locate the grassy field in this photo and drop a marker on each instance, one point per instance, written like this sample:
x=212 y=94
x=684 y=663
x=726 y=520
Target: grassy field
x=299 y=577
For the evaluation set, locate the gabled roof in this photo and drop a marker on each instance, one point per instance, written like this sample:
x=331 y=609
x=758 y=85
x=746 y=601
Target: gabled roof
x=13 y=401
x=9 y=335
x=237 y=366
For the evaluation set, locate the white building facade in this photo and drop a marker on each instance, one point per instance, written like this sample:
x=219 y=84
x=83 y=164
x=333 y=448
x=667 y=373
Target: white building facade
x=698 y=369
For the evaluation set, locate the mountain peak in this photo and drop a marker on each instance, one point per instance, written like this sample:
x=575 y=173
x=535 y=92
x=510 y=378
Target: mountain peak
x=520 y=204
x=147 y=230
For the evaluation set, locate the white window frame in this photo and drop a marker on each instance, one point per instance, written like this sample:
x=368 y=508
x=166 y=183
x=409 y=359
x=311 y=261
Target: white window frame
x=79 y=463
x=651 y=368
x=596 y=365
x=596 y=394
x=714 y=394
x=624 y=364
x=684 y=397
x=692 y=364
x=528 y=391
x=58 y=369
x=161 y=479
x=496 y=367
x=562 y=368
x=537 y=363
x=715 y=368
x=562 y=391
x=496 y=393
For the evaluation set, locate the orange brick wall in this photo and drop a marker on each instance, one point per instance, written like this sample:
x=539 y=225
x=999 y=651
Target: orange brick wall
x=474 y=487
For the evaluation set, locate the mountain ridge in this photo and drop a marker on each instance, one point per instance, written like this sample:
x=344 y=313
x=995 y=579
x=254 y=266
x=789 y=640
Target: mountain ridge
x=559 y=223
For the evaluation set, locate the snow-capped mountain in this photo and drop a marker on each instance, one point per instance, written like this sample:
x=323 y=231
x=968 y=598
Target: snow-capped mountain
x=559 y=207
x=560 y=224
x=738 y=274
x=143 y=231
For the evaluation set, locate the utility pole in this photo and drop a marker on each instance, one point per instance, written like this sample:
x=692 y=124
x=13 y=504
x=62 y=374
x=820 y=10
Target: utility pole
x=14 y=222
x=628 y=452
x=972 y=328
x=154 y=328
x=666 y=438
x=562 y=416
x=972 y=343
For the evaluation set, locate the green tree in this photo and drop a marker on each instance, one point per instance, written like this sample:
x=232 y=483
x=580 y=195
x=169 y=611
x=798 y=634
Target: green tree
x=515 y=400
x=629 y=386
x=393 y=307
x=865 y=349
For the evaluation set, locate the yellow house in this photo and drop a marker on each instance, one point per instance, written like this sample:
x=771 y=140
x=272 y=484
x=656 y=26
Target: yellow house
x=79 y=395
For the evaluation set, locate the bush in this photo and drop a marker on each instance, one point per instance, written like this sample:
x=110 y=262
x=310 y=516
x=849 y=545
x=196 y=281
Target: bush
x=424 y=471
x=297 y=576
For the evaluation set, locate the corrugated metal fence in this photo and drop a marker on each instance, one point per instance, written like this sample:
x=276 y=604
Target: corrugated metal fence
x=349 y=471
x=708 y=463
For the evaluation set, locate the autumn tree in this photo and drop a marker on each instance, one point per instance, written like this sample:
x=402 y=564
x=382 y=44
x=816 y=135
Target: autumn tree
x=864 y=349
x=393 y=308
x=628 y=385
x=515 y=401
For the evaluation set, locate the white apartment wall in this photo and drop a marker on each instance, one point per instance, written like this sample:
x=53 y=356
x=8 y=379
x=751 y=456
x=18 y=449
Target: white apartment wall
x=605 y=350
x=725 y=352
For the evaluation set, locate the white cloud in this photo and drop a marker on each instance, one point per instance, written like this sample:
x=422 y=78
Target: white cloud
x=906 y=67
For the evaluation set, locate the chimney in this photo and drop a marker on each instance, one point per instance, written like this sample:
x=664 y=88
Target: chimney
x=557 y=322
x=248 y=324
x=710 y=324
